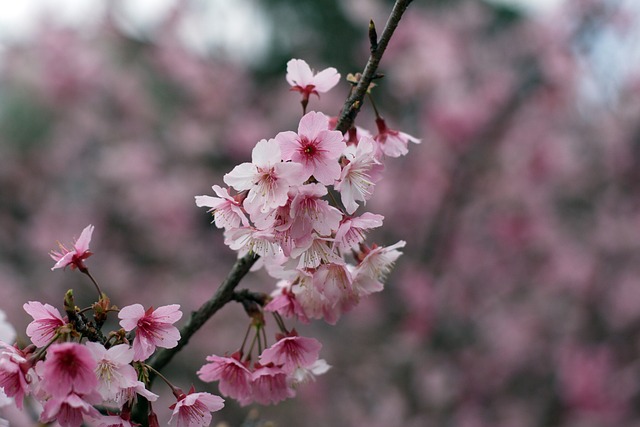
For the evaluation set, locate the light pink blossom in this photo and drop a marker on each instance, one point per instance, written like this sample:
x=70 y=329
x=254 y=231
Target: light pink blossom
x=351 y=231
x=314 y=252
x=305 y=375
x=14 y=369
x=315 y=147
x=292 y=352
x=284 y=302
x=360 y=172
x=69 y=367
x=303 y=80
x=379 y=261
x=75 y=258
x=194 y=409
x=45 y=324
x=233 y=376
x=227 y=210
x=68 y=410
x=309 y=212
x=391 y=142
x=270 y=385
x=154 y=327
x=113 y=369
x=267 y=178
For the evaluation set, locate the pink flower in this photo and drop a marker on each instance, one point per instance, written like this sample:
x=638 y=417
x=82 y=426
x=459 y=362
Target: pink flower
x=309 y=212
x=334 y=282
x=314 y=252
x=284 y=302
x=46 y=321
x=113 y=369
x=359 y=174
x=351 y=231
x=378 y=262
x=154 y=327
x=305 y=375
x=315 y=147
x=267 y=178
x=292 y=352
x=75 y=258
x=194 y=409
x=69 y=367
x=13 y=373
x=233 y=376
x=392 y=142
x=302 y=79
x=68 y=410
x=227 y=210
x=270 y=385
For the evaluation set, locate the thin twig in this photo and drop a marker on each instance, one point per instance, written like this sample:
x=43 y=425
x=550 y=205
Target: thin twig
x=354 y=101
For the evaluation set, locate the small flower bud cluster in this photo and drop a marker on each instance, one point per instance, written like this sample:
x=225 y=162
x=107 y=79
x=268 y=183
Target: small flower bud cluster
x=283 y=206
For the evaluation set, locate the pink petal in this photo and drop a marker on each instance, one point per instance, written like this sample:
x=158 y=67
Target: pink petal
x=167 y=313
x=312 y=124
x=326 y=79
x=130 y=315
x=82 y=244
x=299 y=73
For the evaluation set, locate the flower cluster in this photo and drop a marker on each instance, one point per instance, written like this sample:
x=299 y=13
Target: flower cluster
x=283 y=206
x=70 y=377
x=295 y=206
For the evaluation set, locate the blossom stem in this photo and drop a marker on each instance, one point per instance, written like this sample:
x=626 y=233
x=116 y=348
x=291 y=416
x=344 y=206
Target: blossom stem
x=244 y=341
x=280 y=322
x=162 y=377
x=86 y=271
x=373 y=104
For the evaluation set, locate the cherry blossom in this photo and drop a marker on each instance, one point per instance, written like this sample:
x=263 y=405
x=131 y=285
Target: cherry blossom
x=69 y=367
x=227 y=210
x=391 y=142
x=315 y=147
x=267 y=178
x=292 y=352
x=358 y=176
x=68 y=410
x=45 y=324
x=113 y=369
x=154 y=328
x=351 y=231
x=234 y=377
x=14 y=369
x=194 y=409
x=270 y=385
x=75 y=258
x=303 y=80
x=304 y=375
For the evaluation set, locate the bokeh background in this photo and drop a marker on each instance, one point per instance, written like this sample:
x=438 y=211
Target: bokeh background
x=517 y=300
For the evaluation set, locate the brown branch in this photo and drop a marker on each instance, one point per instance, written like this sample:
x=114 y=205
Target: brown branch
x=354 y=102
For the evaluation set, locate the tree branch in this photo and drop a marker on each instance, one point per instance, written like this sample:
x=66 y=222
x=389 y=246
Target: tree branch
x=354 y=101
